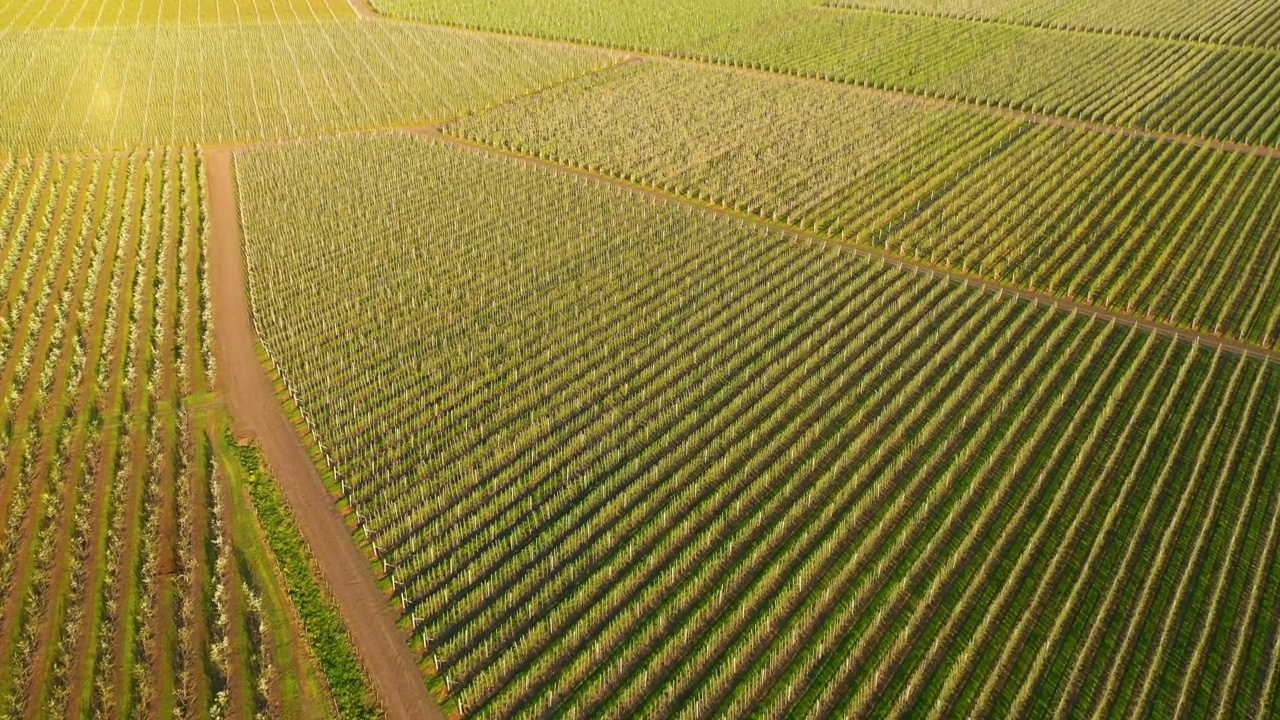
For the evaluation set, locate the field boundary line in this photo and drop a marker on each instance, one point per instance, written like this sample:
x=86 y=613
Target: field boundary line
x=384 y=648
x=867 y=252
x=1049 y=26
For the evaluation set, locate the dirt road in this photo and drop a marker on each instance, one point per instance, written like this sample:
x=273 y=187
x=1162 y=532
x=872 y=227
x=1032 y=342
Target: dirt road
x=252 y=401
x=364 y=11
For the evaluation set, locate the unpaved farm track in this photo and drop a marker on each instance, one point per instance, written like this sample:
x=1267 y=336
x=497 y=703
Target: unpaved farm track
x=364 y=11
x=252 y=401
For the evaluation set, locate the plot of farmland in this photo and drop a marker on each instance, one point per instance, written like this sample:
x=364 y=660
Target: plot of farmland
x=182 y=86
x=1236 y=22
x=630 y=460
x=128 y=589
x=439 y=359
x=21 y=14
x=818 y=155
x=640 y=24
x=1185 y=234
x=1229 y=94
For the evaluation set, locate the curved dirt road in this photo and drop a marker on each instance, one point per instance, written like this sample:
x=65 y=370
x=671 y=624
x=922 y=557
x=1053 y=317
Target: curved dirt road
x=252 y=401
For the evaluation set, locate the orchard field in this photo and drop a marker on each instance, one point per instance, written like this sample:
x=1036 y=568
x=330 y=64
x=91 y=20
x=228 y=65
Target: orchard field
x=130 y=586
x=572 y=359
x=651 y=461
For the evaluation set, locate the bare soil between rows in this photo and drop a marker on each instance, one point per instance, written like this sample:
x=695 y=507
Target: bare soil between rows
x=250 y=397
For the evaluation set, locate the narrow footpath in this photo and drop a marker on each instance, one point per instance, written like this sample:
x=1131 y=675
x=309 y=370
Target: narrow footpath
x=250 y=397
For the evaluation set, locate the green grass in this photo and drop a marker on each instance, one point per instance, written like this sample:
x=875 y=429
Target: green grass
x=321 y=622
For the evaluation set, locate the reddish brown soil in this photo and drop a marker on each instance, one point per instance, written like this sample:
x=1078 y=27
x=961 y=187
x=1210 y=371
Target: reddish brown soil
x=11 y=614
x=129 y=591
x=251 y=399
x=83 y=666
x=50 y=624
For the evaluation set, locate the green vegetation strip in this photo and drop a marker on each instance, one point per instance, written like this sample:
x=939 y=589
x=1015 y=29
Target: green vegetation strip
x=321 y=622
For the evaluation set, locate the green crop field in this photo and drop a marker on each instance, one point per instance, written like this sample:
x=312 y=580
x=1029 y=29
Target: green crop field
x=130 y=588
x=819 y=156
x=646 y=462
x=136 y=581
x=1156 y=81
x=645 y=24
x=438 y=359
x=187 y=86
x=1055 y=209
x=1228 y=22
x=22 y=15
x=1225 y=93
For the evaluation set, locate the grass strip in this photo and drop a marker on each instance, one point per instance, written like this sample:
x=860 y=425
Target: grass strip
x=321 y=622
